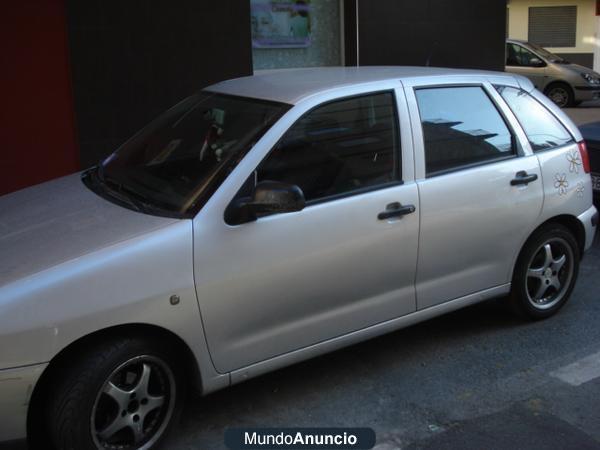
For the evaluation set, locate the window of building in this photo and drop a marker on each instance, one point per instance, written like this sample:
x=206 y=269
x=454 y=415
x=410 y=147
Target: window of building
x=553 y=26
x=343 y=146
x=295 y=33
x=461 y=127
x=543 y=130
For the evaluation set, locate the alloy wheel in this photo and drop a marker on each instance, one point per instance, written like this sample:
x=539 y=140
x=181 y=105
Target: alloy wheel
x=549 y=273
x=559 y=95
x=134 y=406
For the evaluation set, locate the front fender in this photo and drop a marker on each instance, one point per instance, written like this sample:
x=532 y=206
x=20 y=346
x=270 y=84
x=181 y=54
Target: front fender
x=128 y=282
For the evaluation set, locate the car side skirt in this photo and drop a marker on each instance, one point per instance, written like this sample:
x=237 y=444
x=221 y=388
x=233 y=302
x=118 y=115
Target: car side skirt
x=296 y=356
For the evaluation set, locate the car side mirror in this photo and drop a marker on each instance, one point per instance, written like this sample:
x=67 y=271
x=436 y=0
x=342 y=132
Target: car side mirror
x=269 y=197
x=536 y=62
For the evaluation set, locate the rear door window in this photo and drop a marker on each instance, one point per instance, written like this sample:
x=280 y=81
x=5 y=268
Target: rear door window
x=461 y=128
x=543 y=130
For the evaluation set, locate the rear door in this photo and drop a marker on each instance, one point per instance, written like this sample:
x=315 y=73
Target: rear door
x=567 y=185
x=476 y=206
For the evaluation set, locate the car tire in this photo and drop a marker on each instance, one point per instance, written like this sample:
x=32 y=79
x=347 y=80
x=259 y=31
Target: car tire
x=545 y=273
x=122 y=394
x=561 y=94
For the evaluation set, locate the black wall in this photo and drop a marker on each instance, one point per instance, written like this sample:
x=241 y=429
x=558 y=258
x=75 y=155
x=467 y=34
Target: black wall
x=445 y=33
x=130 y=60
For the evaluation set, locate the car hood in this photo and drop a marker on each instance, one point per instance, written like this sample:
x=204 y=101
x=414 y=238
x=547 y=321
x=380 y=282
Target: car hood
x=60 y=220
x=580 y=69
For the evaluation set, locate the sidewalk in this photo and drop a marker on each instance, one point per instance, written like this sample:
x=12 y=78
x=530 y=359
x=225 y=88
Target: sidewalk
x=585 y=113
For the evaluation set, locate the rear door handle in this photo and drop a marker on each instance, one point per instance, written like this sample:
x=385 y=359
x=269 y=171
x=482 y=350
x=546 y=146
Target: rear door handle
x=523 y=177
x=396 y=210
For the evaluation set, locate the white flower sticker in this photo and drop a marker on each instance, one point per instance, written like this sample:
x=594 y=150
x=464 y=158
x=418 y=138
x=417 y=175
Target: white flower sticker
x=574 y=161
x=580 y=189
x=561 y=183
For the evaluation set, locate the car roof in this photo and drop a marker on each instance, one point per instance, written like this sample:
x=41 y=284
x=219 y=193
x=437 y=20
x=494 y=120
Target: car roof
x=518 y=41
x=293 y=85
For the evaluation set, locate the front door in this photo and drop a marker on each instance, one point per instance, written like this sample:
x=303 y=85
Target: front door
x=522 y=61
x=288 y=281
x=476 y=211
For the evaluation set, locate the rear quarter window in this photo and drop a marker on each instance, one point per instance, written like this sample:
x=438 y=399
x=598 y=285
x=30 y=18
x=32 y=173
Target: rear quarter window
x=543 y=130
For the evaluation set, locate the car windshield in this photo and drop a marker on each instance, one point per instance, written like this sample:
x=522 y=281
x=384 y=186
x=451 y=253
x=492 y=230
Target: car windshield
x=541 y=51
x=174 y=164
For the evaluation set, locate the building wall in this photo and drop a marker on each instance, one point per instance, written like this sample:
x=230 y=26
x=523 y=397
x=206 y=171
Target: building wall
x=452 y=33
x=518 y=26
x=37 y=131
x=132 y=60
x=80 y=77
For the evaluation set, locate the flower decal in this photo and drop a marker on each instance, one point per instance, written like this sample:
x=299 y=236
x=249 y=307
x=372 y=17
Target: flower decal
x=580 y=189
x=574 y=161
x=561 y=183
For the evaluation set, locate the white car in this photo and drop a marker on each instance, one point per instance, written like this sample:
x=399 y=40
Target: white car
x=272 y=218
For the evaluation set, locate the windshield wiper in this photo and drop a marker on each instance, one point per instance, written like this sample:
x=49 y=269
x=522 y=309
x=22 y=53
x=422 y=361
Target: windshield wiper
x=116 y=190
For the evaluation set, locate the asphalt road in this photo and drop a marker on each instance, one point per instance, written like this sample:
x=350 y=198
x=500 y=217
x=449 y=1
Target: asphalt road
x=586 y=113
x=478 y=378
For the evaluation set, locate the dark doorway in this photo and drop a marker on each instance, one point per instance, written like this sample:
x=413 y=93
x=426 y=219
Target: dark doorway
x=443 y=33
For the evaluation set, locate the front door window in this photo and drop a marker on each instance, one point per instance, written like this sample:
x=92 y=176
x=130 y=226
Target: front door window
x=339 y=148
x=519 y=56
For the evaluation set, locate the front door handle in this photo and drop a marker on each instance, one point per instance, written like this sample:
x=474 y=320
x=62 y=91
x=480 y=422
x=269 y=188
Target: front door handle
x=523 y=177
x=396 y=210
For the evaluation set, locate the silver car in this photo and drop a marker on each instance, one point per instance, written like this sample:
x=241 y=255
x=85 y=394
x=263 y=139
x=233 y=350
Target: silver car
x=565 y=83
x=272 y=218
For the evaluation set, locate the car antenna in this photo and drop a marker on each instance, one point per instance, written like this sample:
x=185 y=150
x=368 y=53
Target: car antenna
x=428 y=61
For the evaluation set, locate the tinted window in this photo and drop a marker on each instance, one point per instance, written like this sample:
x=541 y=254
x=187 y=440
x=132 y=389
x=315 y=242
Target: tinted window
x=461 y=127
x=518 y=56
x=175 y=163
x=543 y=130
x=337 y=148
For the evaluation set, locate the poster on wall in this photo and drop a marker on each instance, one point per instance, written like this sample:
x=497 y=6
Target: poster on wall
x=280 y=23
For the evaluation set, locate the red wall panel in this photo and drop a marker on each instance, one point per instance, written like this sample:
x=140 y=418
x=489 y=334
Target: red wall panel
x=37 y=130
